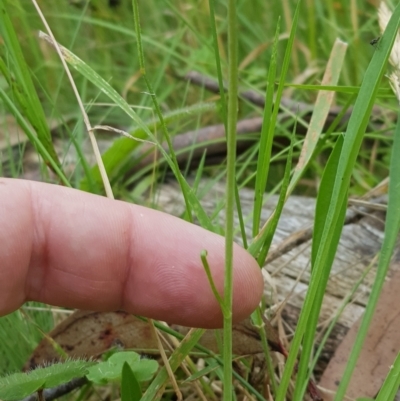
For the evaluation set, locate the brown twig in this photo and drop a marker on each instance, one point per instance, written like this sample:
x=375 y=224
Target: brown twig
x=213 y=137
x=255 y=98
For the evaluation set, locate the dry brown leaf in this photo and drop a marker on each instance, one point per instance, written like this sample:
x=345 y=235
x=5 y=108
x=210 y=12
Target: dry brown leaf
x=379 y=351
x=89 y=334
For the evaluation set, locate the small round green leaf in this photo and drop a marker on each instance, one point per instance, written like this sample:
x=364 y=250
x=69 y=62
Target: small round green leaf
x=111 y=370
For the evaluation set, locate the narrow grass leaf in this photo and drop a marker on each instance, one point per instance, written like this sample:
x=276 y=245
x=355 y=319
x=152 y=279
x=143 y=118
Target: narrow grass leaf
x=321 y=111
x=27 y=128
x=392 y=228
x=264 y=241
x=257 y=320
x=24 y=91
x=240 y=217
x=267 y=232
x=350 y=90
x=266 y=136
x=207 y=269
x=200 y=171
x=268 y=132
x=203 y=372
x=352 y=141
x=217 y=58
x=391 y=384
x=324 y=199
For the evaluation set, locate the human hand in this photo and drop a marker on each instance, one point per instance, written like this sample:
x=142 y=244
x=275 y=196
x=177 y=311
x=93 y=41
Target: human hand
x=69 y=248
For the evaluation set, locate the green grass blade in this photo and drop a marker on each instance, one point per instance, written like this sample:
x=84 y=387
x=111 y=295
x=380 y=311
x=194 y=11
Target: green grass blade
x=270 y=119
x=350 y=90
x=323 y=201
x=218 y=63
x=391 y=384
x=392 y=228
x=267 y=134
x=257 y=320
x=20 y=332
x=43 y=151
x=321 y=111
x=240 y=217
x=352 y=141
x=268 y=231
x=20 y=82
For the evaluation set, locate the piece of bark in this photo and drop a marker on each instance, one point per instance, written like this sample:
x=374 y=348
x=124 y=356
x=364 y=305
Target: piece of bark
x=379 y=350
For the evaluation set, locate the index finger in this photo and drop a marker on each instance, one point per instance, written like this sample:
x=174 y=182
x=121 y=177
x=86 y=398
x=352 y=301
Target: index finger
x=70 y=248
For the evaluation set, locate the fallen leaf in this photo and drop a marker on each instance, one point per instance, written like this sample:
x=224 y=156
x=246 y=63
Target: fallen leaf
x=89 y=334
x=379 y=351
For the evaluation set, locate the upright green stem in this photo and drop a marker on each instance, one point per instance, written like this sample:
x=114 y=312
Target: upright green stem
x=230 y=188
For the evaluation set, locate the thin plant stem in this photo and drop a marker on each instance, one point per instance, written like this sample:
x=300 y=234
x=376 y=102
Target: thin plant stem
x=223 y=111
x=230 y=193
x=207 y=269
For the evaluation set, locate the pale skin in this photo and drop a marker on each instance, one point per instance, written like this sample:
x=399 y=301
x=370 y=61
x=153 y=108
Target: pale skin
x=68 y=248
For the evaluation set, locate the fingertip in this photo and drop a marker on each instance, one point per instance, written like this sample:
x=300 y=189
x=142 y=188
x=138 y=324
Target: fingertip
x=178 y=290
x=113 y=255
